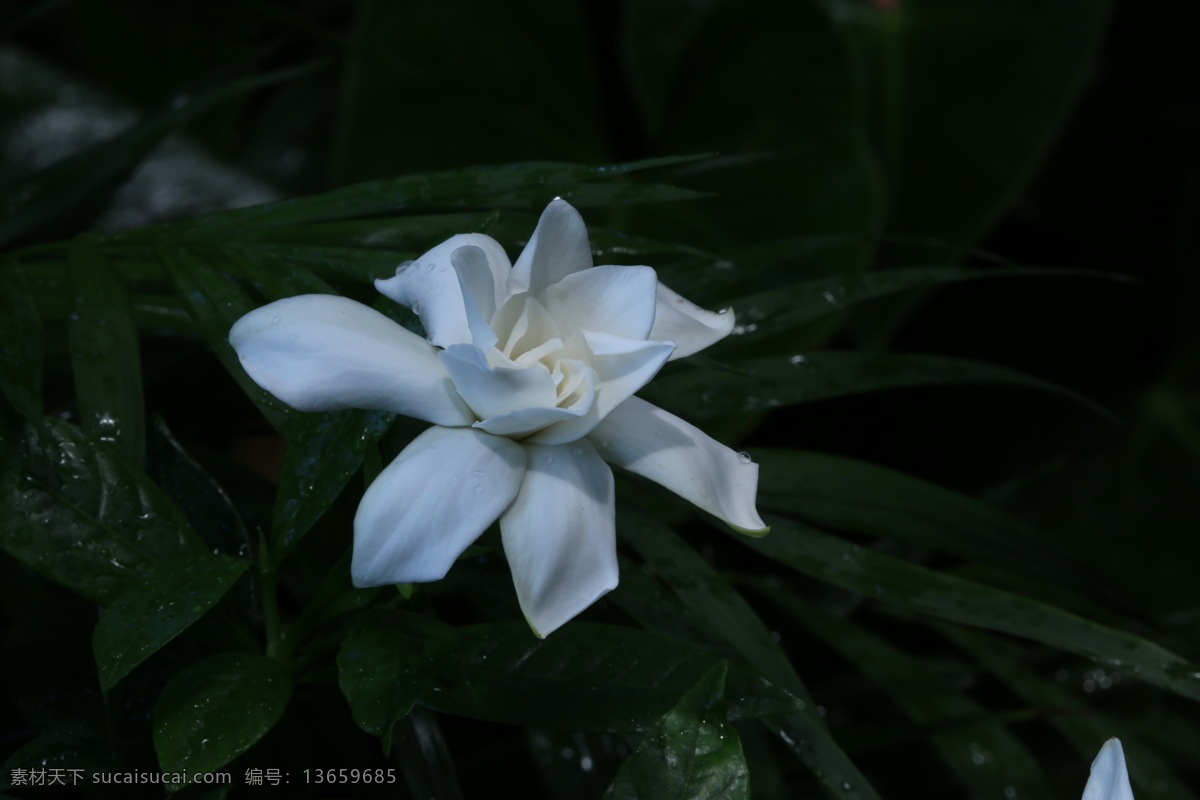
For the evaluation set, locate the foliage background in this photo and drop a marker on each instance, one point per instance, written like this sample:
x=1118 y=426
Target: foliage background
x=851 y=137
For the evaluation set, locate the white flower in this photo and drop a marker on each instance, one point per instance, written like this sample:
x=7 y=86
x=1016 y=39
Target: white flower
x=528 y=376
x=1109 y=779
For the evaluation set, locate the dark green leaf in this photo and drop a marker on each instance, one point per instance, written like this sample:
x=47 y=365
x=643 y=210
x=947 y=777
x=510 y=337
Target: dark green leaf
x=214 y=710
x=20 y=348
x=929 y=593
x=78 y=513
x=849 y=495
x=979 y=749
x=777 y=381
x=383 y=673
x=65 y=190
x=104 y=352
x=513 y=186
x=583 y=677
x=691 y=753
x=157 y=607
x=780 y=309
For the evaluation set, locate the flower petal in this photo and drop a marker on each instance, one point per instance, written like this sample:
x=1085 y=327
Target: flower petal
x=616 y=300
x=689 y=326
x=660 y=446
x=494 y=391
x=1109 y=779
x=559 y=246
x=428 y=505
x=452 y=288
x=622 y=367
x=560 y=534
x=321 y=352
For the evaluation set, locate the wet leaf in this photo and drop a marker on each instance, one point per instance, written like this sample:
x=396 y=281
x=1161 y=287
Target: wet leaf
x=214 y=710
x=157 y=607
x=690 y=752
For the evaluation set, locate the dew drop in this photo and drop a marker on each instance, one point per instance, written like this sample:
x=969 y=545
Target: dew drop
x=548 y=460
x=576 y=451
x=293 y=337
x=477 y=489
x=477 y=473
x=797 y=359
x=275 y=320
x=744 y=457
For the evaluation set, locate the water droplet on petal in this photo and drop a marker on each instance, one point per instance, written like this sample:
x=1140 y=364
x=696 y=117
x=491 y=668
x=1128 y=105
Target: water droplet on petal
x=797 y=359
x=477 y=489
x=744 y=457
x=275 y=320
x=477 y=473
x=293 y=337
x=548 y=460
x=576 y=451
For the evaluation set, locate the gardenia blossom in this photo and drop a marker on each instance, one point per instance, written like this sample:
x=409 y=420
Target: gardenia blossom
x=1109 y=779
x=527 y=373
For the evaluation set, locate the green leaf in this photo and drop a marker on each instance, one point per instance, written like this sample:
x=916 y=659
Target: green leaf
x=63 y=192
x=782 y=380
x=780 y=309
x=104 y=352
x=979 y=749
x=77 y=512
x=585 y=676
x=848 y=495
x=156 y=608
x=20 y=347
x=214 y=710
x=511 y=186
x=382 y=672
x=716 y=606
x=711 y=598
x=691 y=753
x=929 y=593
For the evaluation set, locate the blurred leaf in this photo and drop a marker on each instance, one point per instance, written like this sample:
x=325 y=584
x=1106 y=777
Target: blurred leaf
x=517 y=186
x=691 y=752
x=585 y=677
x=1086 y=728
x=383 y=673
x=964 y=148
x=848 y=495
x=79 y=746
x=157 y=607
x=104 y=352
x=59 y=193
x=783 y=380
x=214 y=710
x=929 y=593
x=20 y=347
x=980 y=750
x=79 y=514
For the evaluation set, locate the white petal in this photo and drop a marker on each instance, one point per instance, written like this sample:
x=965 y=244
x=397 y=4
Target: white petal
x=494 y=391
x=616 y=300
x=622 y=367
x=559 y=246
x=660 y=446
x=1109 y=779
x=321 y=352
x=428 y=505
x=559 y=534
x=452 y=288
x=689 y=326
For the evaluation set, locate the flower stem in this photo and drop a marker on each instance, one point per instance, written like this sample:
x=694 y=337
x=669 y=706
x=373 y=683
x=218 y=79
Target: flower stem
x=270 y=599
